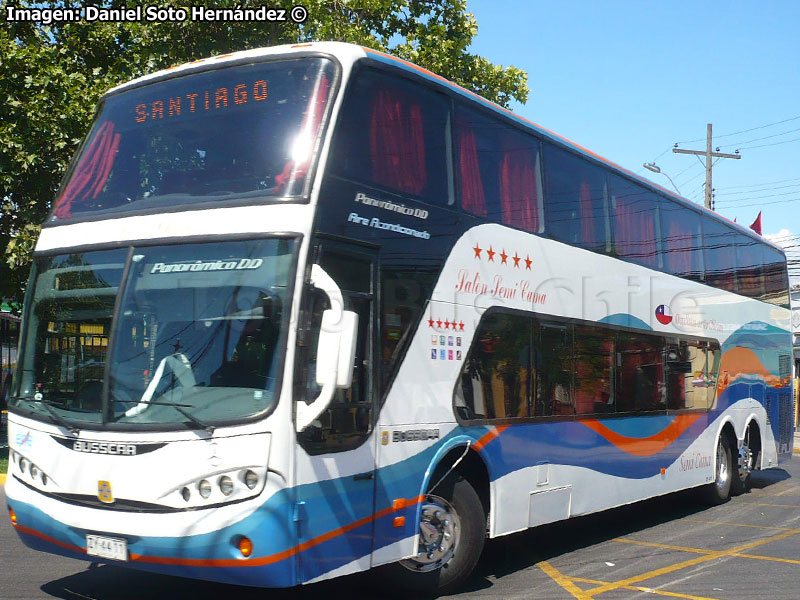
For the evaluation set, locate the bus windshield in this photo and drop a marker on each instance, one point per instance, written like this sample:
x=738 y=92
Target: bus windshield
x=236 y=133
x=197 y=336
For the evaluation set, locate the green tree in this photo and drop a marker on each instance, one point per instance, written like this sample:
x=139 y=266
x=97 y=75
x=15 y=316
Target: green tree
x=52 y=77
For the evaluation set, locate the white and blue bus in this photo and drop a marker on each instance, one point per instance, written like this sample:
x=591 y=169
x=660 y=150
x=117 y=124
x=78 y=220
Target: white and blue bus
x=304 y=311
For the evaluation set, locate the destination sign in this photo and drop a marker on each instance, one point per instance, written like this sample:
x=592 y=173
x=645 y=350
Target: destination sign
x=221 y=98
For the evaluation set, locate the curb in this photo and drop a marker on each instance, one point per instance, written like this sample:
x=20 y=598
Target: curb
x=2 y=479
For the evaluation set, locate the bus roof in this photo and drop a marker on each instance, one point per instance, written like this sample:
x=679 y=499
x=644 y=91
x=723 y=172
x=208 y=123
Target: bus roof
x=348 y=54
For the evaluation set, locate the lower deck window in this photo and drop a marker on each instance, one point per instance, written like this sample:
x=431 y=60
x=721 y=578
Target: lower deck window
x=521 y=366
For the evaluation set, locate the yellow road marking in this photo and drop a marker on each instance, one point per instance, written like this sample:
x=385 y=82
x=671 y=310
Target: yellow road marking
x=772 y=558
x=563 y=581
x=737 y=524
x=665 y=546
x=701 y=551
x=636 y=588
x=794 y=488
x=712 y=555
x=769 y=504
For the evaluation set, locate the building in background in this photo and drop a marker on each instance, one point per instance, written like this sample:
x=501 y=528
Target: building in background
x=9 y=336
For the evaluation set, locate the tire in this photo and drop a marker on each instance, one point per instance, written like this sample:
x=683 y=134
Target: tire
x=453 y=513
x=745 y=463
x=719 y=491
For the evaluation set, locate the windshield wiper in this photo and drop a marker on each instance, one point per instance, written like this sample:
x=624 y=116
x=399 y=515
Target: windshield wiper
x=57 y=418
x=179 y=407
x=209 y=428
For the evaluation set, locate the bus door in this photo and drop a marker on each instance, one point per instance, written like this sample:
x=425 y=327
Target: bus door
x=335 y=466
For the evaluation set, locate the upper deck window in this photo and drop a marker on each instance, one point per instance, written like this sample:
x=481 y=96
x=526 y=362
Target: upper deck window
x=236 y=133
x=498 y=169
x=635 y=222
x=682 y=241
x=718 y=255
x=575 y=200
x=393 y=134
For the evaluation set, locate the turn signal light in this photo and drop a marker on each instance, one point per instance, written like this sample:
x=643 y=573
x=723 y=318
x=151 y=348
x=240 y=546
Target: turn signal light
x=245 y=547
x=13 y=516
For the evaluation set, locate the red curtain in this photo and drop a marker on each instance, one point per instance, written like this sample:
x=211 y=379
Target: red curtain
x=518 y=192
x=679 y=247
x=91 y=174
x=635 y=232
x=397 y=144
x=473 y=199
x=586 y=212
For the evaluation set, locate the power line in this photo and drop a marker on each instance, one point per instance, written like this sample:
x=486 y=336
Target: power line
x=767 y=137
x=762 y=203
x=745 y=130
x=766 y=189
x=768 y=145
x=730 y=202
x=763 y=183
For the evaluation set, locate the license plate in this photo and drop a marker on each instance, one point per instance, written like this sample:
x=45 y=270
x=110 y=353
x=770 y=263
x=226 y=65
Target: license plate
x=106 y=547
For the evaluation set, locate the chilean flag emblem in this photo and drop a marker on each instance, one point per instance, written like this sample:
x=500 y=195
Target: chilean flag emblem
x=663 y=314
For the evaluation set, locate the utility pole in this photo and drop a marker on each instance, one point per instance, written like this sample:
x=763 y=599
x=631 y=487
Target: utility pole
x=709 y=155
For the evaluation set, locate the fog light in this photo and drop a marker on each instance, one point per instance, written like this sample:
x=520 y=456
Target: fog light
x=250 y=479
x=226 y=485
x=186 y=493
x=245 y=547
x=204 y=488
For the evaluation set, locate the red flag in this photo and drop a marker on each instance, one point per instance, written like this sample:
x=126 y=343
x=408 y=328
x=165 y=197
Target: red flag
x=756 y=226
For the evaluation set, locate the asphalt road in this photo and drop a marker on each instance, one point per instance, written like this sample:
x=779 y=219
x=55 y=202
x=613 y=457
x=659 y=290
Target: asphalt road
x=672 y=547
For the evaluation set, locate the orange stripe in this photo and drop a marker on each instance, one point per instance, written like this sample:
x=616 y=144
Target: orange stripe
x=645 y=446
x=273 y=558
x=488 y=437
x=241 y=562
x=47 y=538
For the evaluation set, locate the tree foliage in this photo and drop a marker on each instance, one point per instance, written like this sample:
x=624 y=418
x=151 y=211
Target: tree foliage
x=52 y=77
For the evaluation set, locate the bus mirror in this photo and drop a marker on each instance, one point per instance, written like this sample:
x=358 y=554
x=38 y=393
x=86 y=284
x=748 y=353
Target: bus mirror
x=347 y=349
x=335 y=349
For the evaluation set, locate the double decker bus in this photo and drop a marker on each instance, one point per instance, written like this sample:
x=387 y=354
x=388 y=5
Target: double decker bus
x=304 y=311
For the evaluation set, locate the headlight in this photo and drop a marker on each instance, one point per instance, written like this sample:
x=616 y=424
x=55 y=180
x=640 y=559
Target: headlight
x=250 y=479
x=226 y=485
x=186 y=493
x=204 y=488
x=34 y=471
x=23 y=464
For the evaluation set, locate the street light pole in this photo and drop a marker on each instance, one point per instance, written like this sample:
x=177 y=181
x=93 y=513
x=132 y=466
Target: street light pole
x=656 y=169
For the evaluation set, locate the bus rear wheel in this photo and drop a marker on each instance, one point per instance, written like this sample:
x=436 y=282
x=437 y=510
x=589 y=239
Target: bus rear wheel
x=746 y=461
x=452 y=531
x=719 y=491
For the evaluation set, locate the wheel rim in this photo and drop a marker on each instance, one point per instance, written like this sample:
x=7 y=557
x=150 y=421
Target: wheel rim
x=745 y=458
x=722 y=467
x=439 y=532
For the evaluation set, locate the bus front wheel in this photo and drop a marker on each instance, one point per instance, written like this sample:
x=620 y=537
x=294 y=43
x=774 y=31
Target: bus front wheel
x=452 y=531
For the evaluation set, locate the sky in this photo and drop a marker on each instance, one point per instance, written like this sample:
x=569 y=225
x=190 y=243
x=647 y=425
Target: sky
x=628 y=79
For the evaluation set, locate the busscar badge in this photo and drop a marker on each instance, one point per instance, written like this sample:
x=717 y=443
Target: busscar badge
x=104 y=493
